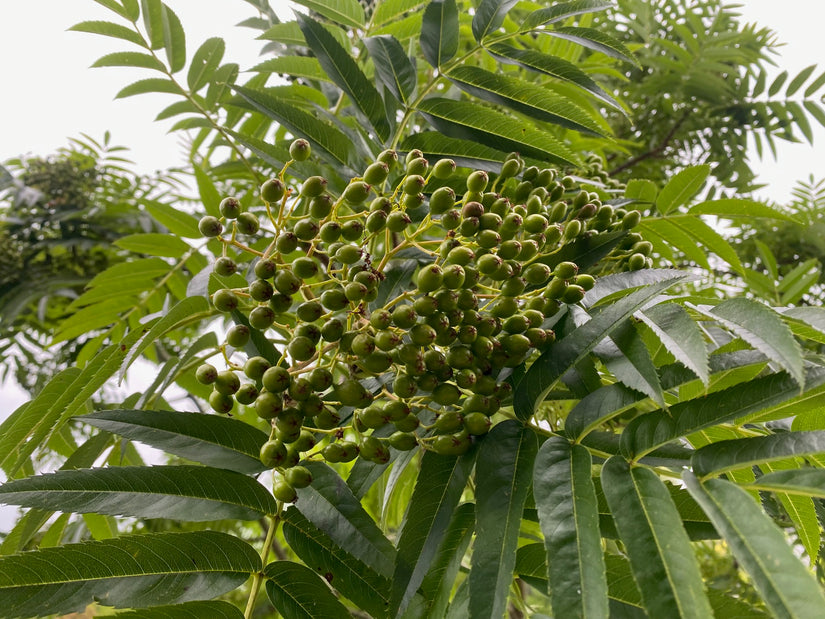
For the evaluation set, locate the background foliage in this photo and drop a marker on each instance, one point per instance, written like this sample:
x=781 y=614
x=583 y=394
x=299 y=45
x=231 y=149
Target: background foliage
x=648 y=461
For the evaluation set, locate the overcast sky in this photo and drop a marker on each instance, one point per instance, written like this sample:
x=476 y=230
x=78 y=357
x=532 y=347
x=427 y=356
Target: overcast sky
x=49 y=93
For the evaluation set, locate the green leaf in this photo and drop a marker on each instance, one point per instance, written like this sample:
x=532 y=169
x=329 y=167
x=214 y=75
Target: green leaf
x=215 y=441
x=153 y=21
x=522 y=96
x=393 y=67
x=569 y=517
x=804 y=482
x=651 y=430
x=762 y=328
x=153 y=244
x=726 y=455
x=760 y=548
x=439 y=32
x=110 y=30
x=681 y=188
x=661 y=557
x=688 y=233
x=299 y=593
x=680 y=335
x=205 y=62
x=214 y=609
x=324 y=138
x=330 y=505
x=738 y=207
x=174 y=40
x=114 y=5
x=463 y=119
x=181 y=313
x=553 y=66
x=133 y=571
x=777 y=83
x=596 y=40
x=598 y=407
x=465 y=153
x=344 y=71
x=801 y=510
x=188 y=493
x=489 y=16
x=628 y=359
x=438 y=489
x=129 y=59
x=562 y=11
x=815 y=85
x=150 y=84
x=294 y=66
x=351 y=577
x=92 y=318
x=348 y=13
x=641 y=190
x=208 y=193
x=439 y=581
x=503 y=474
x=568 y=351
x=176 y=221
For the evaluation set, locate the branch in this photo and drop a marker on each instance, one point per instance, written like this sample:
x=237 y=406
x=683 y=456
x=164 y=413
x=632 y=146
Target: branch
x=655 y=152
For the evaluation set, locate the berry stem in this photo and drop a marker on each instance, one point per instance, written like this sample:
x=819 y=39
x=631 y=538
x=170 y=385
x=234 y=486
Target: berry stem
x=257 y=578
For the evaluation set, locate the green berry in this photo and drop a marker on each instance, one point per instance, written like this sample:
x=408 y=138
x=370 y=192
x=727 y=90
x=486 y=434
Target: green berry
x=443 y=168
x=265 y=268
x=225 y=266
x=442 y=200
x=376 y=173
x=230 y=208
x=313 y=187
x=247 y=394
x=276 y=379
x=356 y=192
x=300 y=150
x=221 y=402
x=206 y=374
x=237 y=336
x=284 y=492
x=225 y=300
x=298 y=477
x=477 y=181
x=210 y=226
x=247 y=223
x=272 y=190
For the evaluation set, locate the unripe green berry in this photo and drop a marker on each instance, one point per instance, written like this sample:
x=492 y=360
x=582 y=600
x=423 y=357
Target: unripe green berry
x=225 y=266
x=398 y=221
x=206 y=374
x=237 y=336
x=306 y=229
x=225 y=300
x=356 y=192
x=221 y=402
x=313 y=186
x=442 y=200
x=376 y=173
x=566 y=270
x=631 y=219
x=227 y=382
x=276 y=379
x=247 y=394
x=262 y=317
x=573 y=294
x=418 y=165
x=298 y=477
x=477 y=181
x=230 y=208
x=210 y=226
x=265 y=268
x=443 y=168
x=300 y=150
x=389 y=156
x=272 y=190
x=247 y=223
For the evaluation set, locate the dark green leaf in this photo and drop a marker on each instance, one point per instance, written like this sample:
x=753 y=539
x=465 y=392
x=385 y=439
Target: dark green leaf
x=215 y=441
x=188 y=610
x=681 y=188
x=567 y=352
x=110 y=30
x=503 y=474
x=393 y=67
x=299 y=593
x=777 y=83
x=204 y=63
x=651 y=430
x=598 y=407
x=762 y=328
x=344 y=71
x=133 y=571
x=594 y=39
x=439 y=32
x=680 y=335
x=329 y=505
x=661 y=557
x=347 y=574
x=348 y=13
x=723 y=456
x=463 y=119
x=569 y=517
x=489 y=16
x=760 y=548
x=629 y=361
x=325 y=138
x=522 y=96
x=551 y=65
x=438 y=489
x=562 y=11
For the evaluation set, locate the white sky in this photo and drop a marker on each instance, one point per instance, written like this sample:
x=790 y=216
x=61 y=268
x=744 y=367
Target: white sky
x=49 y=93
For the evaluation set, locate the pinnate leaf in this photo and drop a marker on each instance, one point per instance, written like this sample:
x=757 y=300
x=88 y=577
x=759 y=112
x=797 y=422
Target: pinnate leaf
x=760 y=547
x=439 y=32
x=726 y=455
x=188 y=493
x=215 y=441
x=299 y=593
x=132 y=572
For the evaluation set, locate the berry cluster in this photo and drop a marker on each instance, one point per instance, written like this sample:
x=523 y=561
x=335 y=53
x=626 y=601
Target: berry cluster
x=371 y=359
